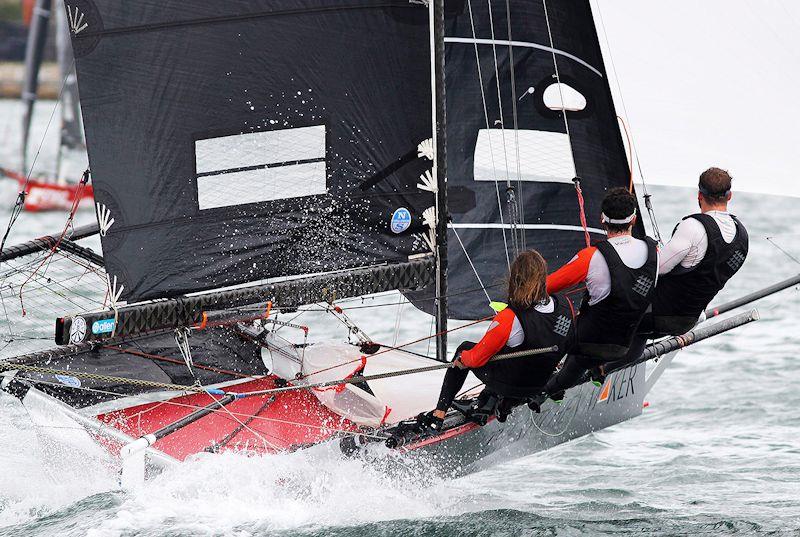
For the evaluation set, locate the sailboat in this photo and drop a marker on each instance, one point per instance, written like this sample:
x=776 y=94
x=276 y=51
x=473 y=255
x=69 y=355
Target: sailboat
x=65 y=188
x=252 y=159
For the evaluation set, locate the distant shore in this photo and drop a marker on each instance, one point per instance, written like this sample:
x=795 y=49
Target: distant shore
x=11 y=74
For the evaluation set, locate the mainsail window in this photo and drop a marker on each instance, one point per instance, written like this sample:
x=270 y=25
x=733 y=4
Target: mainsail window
x=573 y=100
x=260 y=166
x=543 y=156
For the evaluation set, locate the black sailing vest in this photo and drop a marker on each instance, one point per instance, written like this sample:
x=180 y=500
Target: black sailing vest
x=685 y=293
x=605 y=329
x=525 y=376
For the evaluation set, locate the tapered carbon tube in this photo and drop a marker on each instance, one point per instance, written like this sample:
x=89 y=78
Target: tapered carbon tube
x=752 y=297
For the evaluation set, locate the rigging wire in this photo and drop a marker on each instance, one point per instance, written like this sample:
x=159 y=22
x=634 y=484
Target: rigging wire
x=19 y=204
x=517 y=205
x=631 y=139
x=67 y=227
x=509 y=188
x=488 y=129
x=775 y=244
x=241 y=414
x=469 y=259
x=576 y=180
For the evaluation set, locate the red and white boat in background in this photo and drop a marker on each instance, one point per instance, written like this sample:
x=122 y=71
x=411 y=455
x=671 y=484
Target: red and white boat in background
x=57 y=189
x=51 y=195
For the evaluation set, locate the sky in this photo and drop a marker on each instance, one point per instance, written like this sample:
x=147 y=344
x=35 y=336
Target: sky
x=709 y=83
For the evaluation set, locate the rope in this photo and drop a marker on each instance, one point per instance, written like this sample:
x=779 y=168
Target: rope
x=518 y=207
x=10 y=366
x=67 y=226
x=488 y=130
x=19 y=204
x=179 y=362
x=255 y=417
x=398 y=347
x=510 y=198
x=631 y=138
x=578 y=191
x=569 y=423
x=391 y=374
x=469 y=259
x=582 y=210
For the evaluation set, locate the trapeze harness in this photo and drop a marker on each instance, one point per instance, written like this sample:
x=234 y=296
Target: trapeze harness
x=606 y=328
x=525 y=377
x=518 y=377
x=684 y=293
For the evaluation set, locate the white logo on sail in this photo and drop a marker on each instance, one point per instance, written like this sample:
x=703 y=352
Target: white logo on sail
x=428 y=182
x=114 y=294
x=425 y=149
x=104 y=219
x=429 y=219
x=76 y=23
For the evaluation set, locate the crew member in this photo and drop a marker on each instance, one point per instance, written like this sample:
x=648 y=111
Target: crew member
x=533 y=319
x=620 y=274
x=706 y=250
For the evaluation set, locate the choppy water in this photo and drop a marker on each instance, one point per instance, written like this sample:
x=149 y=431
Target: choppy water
x=716 y=452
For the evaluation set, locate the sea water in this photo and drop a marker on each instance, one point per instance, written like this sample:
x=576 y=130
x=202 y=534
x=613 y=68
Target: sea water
x=715 y=452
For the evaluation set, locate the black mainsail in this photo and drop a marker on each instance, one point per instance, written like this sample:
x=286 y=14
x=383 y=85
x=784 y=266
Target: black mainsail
x=507 y=138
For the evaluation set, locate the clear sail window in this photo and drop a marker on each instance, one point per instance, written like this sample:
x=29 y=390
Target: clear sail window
x=543 y=156
x=574 y=101
x=260 y=166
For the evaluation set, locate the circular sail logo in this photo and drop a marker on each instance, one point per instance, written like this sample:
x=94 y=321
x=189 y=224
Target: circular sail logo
x=78 y=330
x=401 y=220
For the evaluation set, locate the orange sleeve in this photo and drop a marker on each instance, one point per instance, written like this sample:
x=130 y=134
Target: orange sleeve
x=572 y=273
x=492 y=341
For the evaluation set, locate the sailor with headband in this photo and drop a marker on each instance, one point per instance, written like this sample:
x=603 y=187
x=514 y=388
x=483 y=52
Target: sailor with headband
x=620 y=275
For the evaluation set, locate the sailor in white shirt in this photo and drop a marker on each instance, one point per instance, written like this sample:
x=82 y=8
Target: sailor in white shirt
x=705 y=251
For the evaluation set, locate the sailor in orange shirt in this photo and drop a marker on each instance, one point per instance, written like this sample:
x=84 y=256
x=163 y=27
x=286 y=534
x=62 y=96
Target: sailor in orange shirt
x=533 y=319
x=620 y=274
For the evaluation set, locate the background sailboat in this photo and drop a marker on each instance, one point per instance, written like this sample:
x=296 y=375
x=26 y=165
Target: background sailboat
x=63 y=188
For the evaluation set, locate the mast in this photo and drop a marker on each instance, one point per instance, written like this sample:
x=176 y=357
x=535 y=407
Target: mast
x=34 y=50
x=436 y=8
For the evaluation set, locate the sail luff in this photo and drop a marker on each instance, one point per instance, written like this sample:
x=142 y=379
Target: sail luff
x=34 y=51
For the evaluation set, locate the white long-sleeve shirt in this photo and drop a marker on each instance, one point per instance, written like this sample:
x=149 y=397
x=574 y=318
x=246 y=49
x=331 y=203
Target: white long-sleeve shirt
x=689 y=243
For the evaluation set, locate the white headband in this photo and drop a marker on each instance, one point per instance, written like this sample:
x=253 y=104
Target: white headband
x=627 y=220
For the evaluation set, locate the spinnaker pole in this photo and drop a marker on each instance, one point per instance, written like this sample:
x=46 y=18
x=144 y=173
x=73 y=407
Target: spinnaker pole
x=752 y=297
x=34 y=51
x=436 y=10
